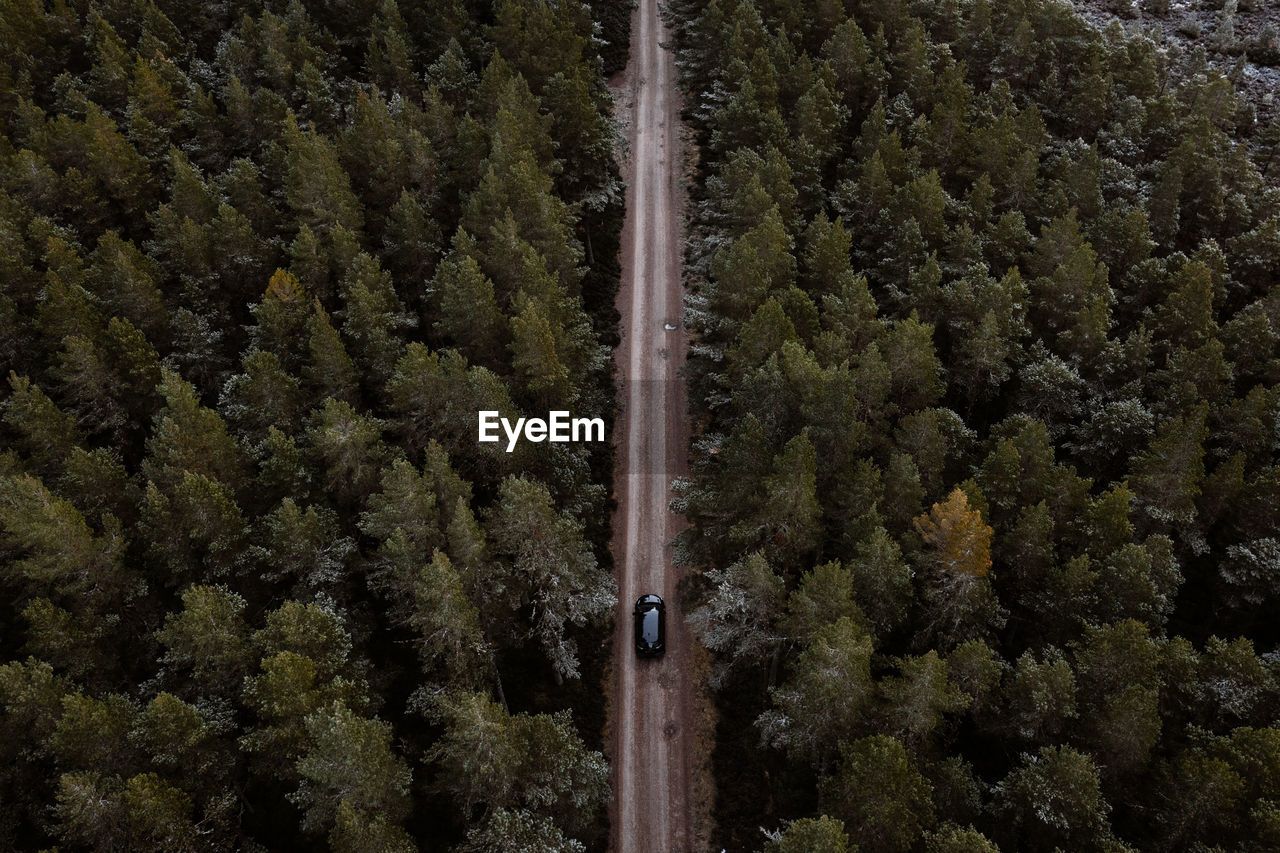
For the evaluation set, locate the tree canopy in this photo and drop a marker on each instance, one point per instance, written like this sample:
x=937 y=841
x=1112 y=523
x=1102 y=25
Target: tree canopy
x=982 y=490
x=261 y=264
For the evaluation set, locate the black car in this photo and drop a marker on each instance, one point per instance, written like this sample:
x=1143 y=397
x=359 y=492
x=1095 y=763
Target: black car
x=651 y=626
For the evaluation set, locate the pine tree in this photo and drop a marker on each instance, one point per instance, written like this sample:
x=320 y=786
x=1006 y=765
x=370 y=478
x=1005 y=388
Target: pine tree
x=123 y=279
x=329 y=369
x=824 y=595
x=534 y=355
x=57 y=553
x=349 y=762
x=1038 y=699
x=374 y=319
x=469 y=316
x=737 y=620
x=208 y=639
x=262 y=396
x=811 y=835
x=547 y=562
x=908 y=349
x=349 y=450
x=881 y=581
x=317 y=188
x=877 y=789
x=189 y=438
x=827 y=699
x=919 y=696
x=1052 y=798
x=406 y=503
x=521 y=761
x=46 y=434
x=751 y=267
x=142 y=812
x=281 y=319
x=445 y=623
x=519 y=830
x=411 y=242
x=306 y=545
x=194 y=529
x=1167 y=477
x=792 y=503
x=389 y=56
x=436 y=397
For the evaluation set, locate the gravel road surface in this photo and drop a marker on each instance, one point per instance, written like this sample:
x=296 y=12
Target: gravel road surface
x=651 y=709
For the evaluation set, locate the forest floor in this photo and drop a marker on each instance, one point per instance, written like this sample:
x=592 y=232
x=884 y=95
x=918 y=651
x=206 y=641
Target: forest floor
x=659 y=731
x=1188 y=25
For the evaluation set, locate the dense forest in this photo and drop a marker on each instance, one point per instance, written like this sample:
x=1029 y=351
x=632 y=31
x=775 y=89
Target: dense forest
x=985 y=385
x=260 y=265
x=985 y=390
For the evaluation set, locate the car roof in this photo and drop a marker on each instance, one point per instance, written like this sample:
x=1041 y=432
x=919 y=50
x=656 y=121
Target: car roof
x=651 y=631
x=648 y=599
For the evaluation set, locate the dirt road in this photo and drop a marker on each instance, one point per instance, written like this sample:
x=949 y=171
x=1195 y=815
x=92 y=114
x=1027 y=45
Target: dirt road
x=652 y=709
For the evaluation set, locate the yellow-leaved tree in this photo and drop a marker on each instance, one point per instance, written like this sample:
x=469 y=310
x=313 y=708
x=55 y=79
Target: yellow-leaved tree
x=956 y=531
x=959 y=602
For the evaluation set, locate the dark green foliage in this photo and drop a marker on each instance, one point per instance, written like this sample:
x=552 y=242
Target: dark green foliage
x=243 y=514
x=876 y=790
x=1010 y=279
x=521 y=761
